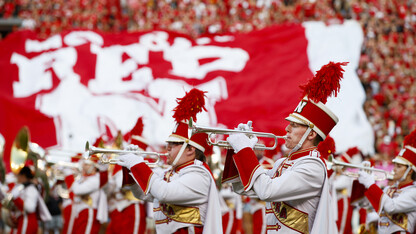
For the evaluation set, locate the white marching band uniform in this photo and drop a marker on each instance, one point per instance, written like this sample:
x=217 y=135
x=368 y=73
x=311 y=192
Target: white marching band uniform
x=184 y=198
x=89 y=207
x=30 y=204
x=296 y=193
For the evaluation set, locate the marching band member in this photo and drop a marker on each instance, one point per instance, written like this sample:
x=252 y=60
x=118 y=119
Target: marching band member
x=28 y=201
x=68 y=211
x=396 y=205
x=186 y=199
x=127 y=213
x=296 y=190
x=233 y=222
x=90 y=201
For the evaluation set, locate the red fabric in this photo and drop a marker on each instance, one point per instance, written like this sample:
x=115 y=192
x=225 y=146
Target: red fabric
x=81 y=222
x=237 y=224
x=19 y=203
x=142 y=174
x=69 y=180
x=363 y=215
x=258 y=221
x=127 y=179
x=341 y=208
x=246 y=162
x=103 y=178
x=31 y=227
x=280 y=52
x=318 y=117
x=374 y=194
x=125 y=220
x=225 y=221
x=197 y=230
x=230 y=170
x=410 y=156
x=66 y=216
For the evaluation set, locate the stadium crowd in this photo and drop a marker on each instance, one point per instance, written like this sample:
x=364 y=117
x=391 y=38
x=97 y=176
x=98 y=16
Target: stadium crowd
x=388 y=54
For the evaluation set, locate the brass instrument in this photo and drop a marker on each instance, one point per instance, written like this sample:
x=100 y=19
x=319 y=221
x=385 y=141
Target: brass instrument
x=90 y=150
x=331 y=163
x=213 y=131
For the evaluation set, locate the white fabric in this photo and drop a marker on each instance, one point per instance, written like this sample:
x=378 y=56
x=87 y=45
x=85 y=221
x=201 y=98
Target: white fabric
x=342 y=43
x=33 y=201
x=129 y=160
x=303 y=185
x=90 y=185
x=192 y=186
x=240 y=141
x=403 y=201
x=366 y=179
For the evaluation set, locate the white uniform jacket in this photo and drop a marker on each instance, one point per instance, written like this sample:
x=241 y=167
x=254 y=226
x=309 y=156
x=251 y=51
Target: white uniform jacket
x=396 y=207
x=184 y=197
x=296 y=190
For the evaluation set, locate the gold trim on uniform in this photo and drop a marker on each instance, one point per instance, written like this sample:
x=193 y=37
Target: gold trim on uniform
x=162 y=221
x=400 y=219
x=128 y=195
x=183 y=214
x=273 y=227
x=86 y=199
x=291 y=217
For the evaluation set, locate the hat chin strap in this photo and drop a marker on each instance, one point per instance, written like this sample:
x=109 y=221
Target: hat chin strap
x=179 y=155
x=404 y=176
x=297 y=147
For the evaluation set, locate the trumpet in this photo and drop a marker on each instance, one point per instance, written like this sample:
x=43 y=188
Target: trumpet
x=331 y=163
x=213 y=131
x=90 y=150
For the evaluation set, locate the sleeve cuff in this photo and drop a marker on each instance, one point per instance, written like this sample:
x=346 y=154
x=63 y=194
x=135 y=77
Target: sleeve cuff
x=142 y=175
x=127 y=179
x=374 y=195
x=246 y=162
x=230 y=172
x=69 y=180
x=103 y=178
x=19 y=203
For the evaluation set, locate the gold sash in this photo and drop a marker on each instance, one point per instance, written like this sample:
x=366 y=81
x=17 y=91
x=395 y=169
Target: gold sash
x=399 y=219
x=183 y=214
x=291 y=217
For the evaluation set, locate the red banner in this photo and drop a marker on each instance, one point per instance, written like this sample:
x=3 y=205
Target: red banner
x=75 y=86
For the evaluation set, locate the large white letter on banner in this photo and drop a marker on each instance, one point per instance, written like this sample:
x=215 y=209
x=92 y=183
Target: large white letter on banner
x=35 y=74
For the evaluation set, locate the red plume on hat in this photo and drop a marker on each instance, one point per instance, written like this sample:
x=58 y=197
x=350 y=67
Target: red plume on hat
x=327 y=147
x=410 y=139
x=311 y=110
x=135 y=135
x=191 y=104
x=324 y=83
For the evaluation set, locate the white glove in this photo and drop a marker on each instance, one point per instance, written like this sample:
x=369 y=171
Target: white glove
x=245 y=127
x=129 y=160
x=132 y=147
x=240 y=141
x=366 y=179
